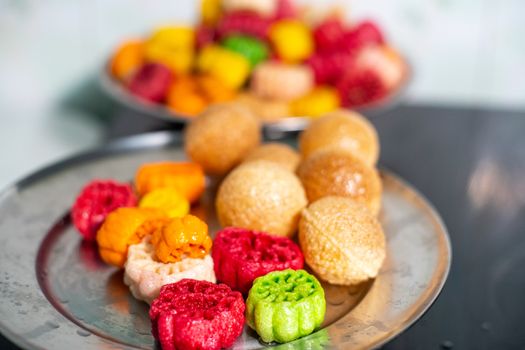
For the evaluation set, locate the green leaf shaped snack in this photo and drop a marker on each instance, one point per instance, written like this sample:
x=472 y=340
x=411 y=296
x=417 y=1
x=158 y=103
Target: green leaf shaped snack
x=285 y=305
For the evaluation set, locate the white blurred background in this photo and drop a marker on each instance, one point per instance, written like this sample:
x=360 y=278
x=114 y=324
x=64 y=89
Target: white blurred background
x=463 y=52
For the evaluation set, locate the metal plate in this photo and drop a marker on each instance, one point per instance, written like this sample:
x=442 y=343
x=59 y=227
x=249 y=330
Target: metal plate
x=116 y=90
x=56 y=294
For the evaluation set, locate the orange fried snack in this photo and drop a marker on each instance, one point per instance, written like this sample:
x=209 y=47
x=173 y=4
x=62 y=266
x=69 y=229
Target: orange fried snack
x=185 y=177
x=167 y=199
x=181 y=237
x=150 y=226
x=184 y=96
x=128 y=58
x=214 y=90
x=119 y=231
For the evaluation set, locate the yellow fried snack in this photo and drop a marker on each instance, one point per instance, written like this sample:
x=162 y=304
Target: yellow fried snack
x=230 y=68
x=341 y=129
x=341 y=240
x=320 y=100
x=118 y=232
x=181 y=237
x=292 y=40
x=168 y=199
x=210 y=11
x=173 y=47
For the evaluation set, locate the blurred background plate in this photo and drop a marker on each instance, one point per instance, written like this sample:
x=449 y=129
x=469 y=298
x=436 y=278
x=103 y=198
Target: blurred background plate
x=55 y=293
x=159 y=112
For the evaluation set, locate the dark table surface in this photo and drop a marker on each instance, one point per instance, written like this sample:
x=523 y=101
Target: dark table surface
x=470 y=163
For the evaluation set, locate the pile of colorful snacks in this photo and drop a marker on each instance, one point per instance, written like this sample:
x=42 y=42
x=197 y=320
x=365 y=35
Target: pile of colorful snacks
x=329 y=192
x=270 y=55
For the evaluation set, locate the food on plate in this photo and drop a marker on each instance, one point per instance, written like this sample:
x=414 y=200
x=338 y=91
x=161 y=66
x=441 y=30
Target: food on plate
x=181 y=237
x=197 y=315
x=278 y=153
x=261 y=196
x=151 y=82
x=292 y=40
x=185 y=177
x=172 y=46
x=119 y=231
x=96 y=200
x=269 y=48
x=285 y=305
x=229 y=67
x=341 y=129
x=319 y=101
x=241 y=255
x=170 y=250
x=281 y=81
x=265 y=109
x=342 y=240
x=336 y=172
x=128 y=58
x=221 y=137
x=167 y=199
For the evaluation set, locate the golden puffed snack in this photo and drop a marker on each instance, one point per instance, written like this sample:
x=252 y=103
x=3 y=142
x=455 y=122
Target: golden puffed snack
x=265 y=109
x=261 y=196
x=336 y=172
x=343 y=129
x=341 y=240
x=278 y=153
x=221 y=137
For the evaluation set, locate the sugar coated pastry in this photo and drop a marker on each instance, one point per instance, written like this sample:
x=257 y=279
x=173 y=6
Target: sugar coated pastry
x=145 y=275
x=281 y=81
x=342 y=241
x=336 y=172
x=119 y=231
x=292 y=40
x=197 y=315
x=275 y=152
x=241 y=255
x=261 y=196
x=96 y=200
x=285 y=305
x=341 y=129
x=221 y=137
x=185 y=177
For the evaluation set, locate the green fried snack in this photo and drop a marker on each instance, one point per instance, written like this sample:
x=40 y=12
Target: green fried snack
x=254 y=50
x=285 y=305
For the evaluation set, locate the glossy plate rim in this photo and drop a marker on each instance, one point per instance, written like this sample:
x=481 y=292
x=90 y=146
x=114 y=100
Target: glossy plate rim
x=165 y=139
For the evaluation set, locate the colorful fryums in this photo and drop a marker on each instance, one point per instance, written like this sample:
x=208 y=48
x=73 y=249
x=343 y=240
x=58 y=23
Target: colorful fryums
x=313 y=67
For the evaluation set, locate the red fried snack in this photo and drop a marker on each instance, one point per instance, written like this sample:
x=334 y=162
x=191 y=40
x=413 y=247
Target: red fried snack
x=241 y=255
x=244 y=22
x=96 y=200
x=365 y=33
x=361 y=87
x=194 y=314
x=151 y=82
x=329 y=35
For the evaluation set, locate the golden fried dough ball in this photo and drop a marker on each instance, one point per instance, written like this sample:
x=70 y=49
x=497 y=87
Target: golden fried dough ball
x=261 y=196
x=278 y=153
x=335 y=172
x=221 y=137
x=341 y=240
x=341 y=129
